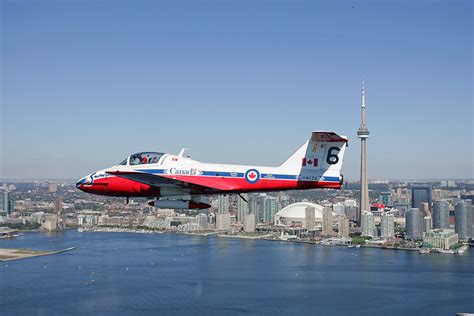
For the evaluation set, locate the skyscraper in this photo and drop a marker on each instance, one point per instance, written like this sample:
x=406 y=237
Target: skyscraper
x=242 y=208
x=202 y=221
x=6 y=204
x=310 y=217
x=440 y=214
x=368 y=225
x=414 y=224
x=463 y=214
x=420 y=194
x=363 y=134
x=343 y=226
x=223 y=206
x=270 y=209
x=427 y=224
x=386 y=198
x=223 y=221
x=387 y=229
x=327 y=221
x=257 y=203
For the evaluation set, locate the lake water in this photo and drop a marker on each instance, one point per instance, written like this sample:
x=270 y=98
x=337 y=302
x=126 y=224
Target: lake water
x=127 y=273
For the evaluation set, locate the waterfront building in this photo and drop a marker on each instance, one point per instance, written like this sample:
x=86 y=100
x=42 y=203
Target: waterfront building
x=463 y=215
x=242 y=208
x=249 y=223
x=343 y=226
x=386 y=198
x=223 y=221
x=440 y=238
x=368 y=225
x=440 y=214
x=420 y=194
x=387 y=226
x=327 y=221
x=414 y=224
x=223 y=203
x=188 y=227
x=50 y=222
x=102 y=220
x=310 y=217
x=363 y=134
x=202 y=221
x=81 y=219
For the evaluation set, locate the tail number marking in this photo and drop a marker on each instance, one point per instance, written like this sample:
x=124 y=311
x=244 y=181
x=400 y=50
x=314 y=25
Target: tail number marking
x=332 y=158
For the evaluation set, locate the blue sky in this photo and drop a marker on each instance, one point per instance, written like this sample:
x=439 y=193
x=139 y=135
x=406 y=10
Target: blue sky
x=86 y=83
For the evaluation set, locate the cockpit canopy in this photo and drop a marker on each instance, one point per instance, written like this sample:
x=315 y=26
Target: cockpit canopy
x=142 y=158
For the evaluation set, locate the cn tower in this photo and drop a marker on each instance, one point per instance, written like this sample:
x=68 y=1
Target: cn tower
x=363 y=134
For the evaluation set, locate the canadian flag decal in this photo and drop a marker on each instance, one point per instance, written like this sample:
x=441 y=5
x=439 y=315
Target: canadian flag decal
x=310 y=162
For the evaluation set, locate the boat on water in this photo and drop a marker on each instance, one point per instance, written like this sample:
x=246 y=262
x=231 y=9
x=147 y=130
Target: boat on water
x=462 y=249
x=9 y=234
x=424 y=251
x=446 y=251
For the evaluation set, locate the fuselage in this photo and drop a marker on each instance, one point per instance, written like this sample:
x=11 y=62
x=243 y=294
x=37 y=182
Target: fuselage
x=219 y=178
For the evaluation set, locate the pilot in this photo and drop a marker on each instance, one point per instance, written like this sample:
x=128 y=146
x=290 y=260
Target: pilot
x=134 y=160
x=144 y=160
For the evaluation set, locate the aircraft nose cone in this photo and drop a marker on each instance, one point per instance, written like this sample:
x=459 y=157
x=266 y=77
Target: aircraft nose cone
x=80 y=183
x=86 y=181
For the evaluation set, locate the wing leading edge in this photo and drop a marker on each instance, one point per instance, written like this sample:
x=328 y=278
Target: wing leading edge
x=169 y=183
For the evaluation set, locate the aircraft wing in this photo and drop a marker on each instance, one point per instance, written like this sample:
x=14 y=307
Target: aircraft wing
x=168 y=182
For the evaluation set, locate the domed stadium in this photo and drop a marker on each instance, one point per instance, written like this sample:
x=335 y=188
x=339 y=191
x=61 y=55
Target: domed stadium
x=294 y=215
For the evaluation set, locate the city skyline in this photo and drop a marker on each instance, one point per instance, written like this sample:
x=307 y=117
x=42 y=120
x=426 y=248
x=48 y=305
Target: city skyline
x=82 y=96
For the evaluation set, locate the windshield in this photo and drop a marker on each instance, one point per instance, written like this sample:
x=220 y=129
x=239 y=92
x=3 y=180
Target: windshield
x=124 y=162
x=145 y=158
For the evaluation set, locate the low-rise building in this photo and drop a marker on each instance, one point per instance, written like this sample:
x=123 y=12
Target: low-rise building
x=441 y=238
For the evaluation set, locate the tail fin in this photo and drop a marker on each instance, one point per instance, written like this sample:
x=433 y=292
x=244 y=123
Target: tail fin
x=320 y=156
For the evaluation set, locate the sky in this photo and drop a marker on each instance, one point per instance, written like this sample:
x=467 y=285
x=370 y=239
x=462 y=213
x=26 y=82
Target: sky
x=86 y=83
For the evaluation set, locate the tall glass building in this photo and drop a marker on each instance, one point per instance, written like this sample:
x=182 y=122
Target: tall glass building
x=420 y=194
x=463 y=214
x=440 y=214
x=414 y=224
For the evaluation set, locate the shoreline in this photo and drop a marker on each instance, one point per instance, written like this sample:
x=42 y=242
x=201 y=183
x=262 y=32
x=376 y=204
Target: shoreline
x=266 y=237
x=11 y=254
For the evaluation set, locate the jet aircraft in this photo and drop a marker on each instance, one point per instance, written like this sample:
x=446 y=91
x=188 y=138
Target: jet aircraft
x=178 y=182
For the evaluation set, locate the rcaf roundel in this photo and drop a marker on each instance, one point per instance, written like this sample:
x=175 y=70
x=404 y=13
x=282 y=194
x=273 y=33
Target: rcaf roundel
x=252 y=176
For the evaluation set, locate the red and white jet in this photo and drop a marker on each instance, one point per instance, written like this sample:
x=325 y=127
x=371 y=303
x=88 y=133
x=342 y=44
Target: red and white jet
x=178 y=182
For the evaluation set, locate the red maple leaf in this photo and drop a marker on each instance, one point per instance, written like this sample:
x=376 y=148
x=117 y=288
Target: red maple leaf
x=252 y=175
x=310 y=162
